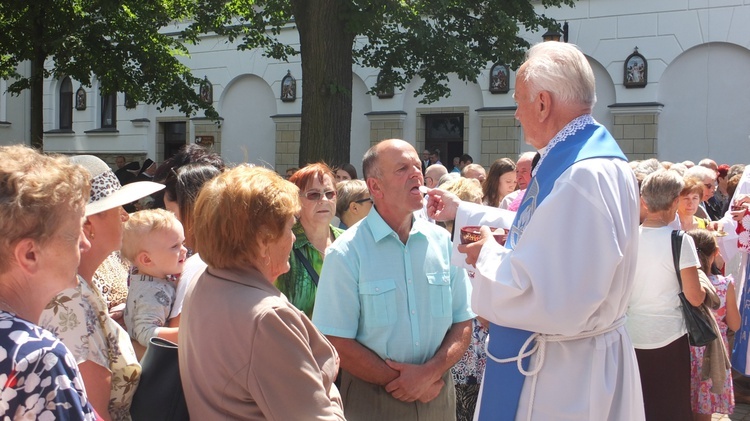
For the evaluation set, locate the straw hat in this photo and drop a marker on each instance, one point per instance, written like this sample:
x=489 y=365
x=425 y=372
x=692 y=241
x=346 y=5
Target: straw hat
x=106 y=191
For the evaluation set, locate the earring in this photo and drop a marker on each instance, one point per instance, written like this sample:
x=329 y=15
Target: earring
x=267 y=260
x=91 y=235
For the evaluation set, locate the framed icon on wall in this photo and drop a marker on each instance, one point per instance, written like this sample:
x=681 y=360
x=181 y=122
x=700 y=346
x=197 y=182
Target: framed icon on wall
x=500 y=78
x=288 y=87
x=635 y=71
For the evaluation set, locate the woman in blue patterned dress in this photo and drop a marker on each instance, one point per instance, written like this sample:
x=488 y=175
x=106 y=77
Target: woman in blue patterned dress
x=42 y=201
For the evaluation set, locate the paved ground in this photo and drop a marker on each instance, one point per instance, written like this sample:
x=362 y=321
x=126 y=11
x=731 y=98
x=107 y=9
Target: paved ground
x=741 y=412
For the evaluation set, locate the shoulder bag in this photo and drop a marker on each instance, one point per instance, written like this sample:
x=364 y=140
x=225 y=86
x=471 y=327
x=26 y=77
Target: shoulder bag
x=699 y=327
x=306 y=263
x=159 y=395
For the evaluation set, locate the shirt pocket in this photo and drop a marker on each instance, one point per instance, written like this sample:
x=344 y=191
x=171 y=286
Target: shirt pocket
x=440 y=294
x=378 y=300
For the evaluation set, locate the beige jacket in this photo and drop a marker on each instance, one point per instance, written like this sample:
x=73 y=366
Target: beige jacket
x=715 y=359
x=247 y=353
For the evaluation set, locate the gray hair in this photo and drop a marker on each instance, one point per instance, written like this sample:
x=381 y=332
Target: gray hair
x=647 y=167
x=446 y=178
x=369 y=160
x=660 y=189
x=701 y=173
x=735 y=169
x=528 y=155
x=349 y=191
x=679 y=168
x=562 y=70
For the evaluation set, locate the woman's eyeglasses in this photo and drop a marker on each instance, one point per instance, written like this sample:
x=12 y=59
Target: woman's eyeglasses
x=361 y=201
x=314 y=196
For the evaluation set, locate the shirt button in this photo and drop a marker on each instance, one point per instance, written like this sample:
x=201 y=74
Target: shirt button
x=377 y=289
x=416 y=343
x=414 y=312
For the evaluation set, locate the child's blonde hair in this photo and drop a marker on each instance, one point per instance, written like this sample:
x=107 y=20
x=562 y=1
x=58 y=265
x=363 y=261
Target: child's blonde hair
x=139 y=226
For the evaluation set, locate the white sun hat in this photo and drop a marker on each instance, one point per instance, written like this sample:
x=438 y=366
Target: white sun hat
x=106 y=191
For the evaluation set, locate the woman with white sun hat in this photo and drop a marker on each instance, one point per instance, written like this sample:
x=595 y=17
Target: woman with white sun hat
x=79 y=316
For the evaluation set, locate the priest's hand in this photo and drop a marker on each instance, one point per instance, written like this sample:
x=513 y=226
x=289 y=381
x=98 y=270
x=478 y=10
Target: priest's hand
x=442 y=205
x=472 y=250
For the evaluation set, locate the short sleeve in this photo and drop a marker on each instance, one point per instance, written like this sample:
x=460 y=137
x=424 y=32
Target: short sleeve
x=73 y=319
x=337 y=304
x=286 y=338
x=461 y=289
x=40 y=378
x=688 y=254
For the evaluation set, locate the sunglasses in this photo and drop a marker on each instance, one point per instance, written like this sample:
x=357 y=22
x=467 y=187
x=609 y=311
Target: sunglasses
x=360 y=201
x=314 y=195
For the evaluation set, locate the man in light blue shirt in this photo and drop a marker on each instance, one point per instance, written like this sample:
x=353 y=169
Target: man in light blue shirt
x=390 y=302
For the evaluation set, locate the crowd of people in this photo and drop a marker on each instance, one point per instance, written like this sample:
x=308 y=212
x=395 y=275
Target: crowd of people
x=319 y=295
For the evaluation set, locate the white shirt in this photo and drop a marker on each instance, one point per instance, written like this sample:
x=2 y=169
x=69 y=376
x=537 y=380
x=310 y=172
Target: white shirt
x=654 y=313
x=193 y=266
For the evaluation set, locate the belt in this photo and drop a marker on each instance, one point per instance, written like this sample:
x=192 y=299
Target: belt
x=538 y=351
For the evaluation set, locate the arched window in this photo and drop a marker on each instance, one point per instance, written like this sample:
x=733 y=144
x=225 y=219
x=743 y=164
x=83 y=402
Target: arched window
x=66 y=104
x=109 y=110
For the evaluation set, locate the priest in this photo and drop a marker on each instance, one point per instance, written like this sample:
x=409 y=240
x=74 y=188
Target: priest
x=556 y=294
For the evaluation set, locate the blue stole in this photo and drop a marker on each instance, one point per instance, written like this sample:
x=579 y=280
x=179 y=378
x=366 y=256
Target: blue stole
x=739 y=353
x=502 y=384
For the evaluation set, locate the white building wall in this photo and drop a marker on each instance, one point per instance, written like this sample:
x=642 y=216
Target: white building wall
x=15 y=113
x=697 y=52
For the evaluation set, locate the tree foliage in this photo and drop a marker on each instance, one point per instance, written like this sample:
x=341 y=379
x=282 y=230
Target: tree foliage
x=430 y=39
x=116 y=41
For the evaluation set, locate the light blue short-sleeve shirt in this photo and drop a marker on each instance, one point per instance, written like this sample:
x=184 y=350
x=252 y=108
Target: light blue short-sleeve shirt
x=399 y=300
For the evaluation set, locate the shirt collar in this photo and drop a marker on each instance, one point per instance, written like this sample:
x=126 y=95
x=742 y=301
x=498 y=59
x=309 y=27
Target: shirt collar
x=380 y=229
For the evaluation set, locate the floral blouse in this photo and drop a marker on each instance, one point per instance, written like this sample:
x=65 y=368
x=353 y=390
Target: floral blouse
x=79 y=317
x=39 y=378
x=470 y=368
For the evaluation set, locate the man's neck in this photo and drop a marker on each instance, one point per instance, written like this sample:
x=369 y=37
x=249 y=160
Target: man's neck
x=558 y=122
x=401 y=224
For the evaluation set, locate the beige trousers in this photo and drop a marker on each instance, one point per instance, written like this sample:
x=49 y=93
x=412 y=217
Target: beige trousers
x=365 y=401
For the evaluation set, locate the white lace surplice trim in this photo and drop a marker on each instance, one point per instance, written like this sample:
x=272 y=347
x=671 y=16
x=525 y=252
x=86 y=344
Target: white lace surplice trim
x=569 y=130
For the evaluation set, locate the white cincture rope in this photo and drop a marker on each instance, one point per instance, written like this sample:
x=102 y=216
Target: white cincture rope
x=539 y=348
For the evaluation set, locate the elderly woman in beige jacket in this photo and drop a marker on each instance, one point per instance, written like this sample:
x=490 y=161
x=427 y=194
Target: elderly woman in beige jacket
x=245 y=351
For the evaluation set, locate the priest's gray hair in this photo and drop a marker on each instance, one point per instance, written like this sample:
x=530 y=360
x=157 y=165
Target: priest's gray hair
x=660 y=189
x=562 y=70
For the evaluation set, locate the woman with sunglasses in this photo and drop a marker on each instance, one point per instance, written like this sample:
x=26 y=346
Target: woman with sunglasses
x=314 y=233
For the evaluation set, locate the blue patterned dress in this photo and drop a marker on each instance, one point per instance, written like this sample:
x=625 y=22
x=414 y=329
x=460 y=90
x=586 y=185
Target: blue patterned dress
x=39 y=377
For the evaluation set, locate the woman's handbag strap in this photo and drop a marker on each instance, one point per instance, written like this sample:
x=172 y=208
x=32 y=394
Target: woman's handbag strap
x=676 y=250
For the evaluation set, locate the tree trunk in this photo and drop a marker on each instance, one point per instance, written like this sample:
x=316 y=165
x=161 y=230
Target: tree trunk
x=326 y=50
x=37 y=80
x=37 y=103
